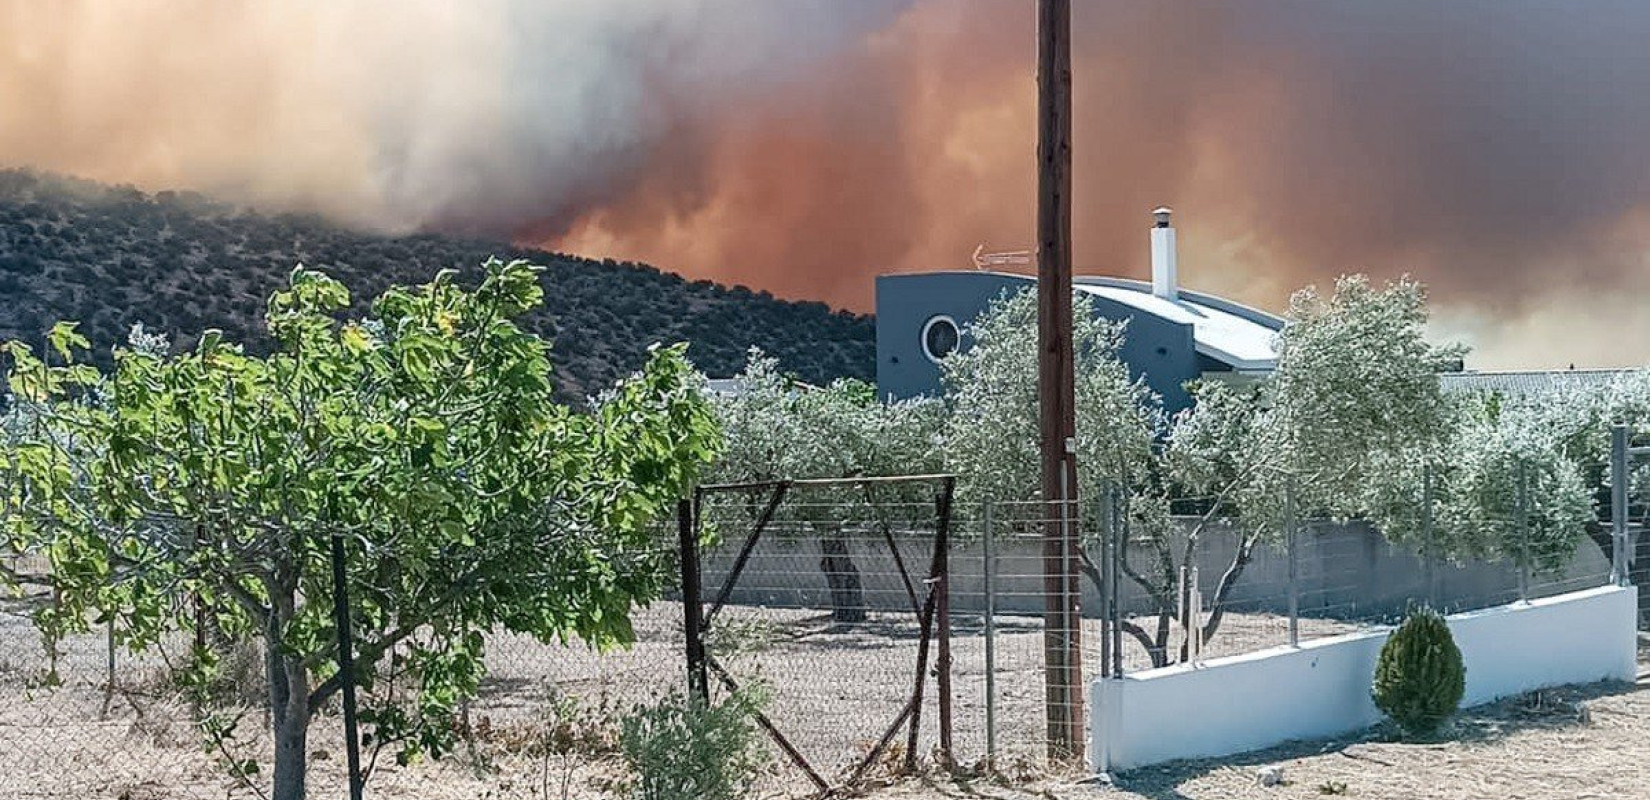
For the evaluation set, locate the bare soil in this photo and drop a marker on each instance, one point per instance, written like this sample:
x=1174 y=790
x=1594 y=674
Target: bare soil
x=833 y=690
x=1583 y=742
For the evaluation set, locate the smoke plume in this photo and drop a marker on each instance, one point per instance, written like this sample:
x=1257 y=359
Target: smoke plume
x=1495 y=150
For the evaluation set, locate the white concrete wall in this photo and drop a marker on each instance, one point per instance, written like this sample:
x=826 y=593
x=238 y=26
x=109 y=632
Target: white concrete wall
x=1322 y=689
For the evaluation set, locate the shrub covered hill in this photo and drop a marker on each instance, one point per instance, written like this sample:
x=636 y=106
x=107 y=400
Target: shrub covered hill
x=179 y=263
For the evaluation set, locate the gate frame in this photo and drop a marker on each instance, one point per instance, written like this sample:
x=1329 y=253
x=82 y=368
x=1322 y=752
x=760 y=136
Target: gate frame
x=933 y=612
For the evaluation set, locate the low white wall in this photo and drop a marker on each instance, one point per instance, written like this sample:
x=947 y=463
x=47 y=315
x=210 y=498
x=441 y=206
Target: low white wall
x=1322 y=689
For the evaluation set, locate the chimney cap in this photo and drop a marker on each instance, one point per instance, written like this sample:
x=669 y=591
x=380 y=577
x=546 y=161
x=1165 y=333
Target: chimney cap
x=1162 y=214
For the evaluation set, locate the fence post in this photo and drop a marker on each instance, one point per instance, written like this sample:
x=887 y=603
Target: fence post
x=111 y=653
x=990 y=572
x=1118 y=542
x=1619 y=440
x=346 y=665
x=692 y=621
x=1429 y=547
x=1183 y=603
x=942 y=680
x=1103 y=569
x=1289 y=528
x=1522 y=520
x=1195 y=606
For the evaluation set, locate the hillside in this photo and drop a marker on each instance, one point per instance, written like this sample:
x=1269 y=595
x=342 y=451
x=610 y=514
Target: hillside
x=113 y=256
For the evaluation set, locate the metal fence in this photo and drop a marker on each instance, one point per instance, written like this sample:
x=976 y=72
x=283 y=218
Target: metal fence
x=826 y=616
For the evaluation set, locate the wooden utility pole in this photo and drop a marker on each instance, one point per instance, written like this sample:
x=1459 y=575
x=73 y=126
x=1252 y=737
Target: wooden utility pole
x=1062 y=652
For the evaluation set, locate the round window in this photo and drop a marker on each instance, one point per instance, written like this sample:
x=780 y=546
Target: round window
x=940 y=337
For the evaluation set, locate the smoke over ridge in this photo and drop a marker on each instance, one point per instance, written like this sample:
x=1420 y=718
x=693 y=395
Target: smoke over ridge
x=1495 y=150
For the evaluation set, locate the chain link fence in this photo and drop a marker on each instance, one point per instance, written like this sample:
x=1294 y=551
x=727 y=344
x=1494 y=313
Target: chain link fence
x=826 y=616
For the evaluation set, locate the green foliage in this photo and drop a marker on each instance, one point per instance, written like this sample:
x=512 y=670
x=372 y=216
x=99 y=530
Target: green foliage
x=181 y=264
x=991 y=435
x=1419 y=677
x=682 y=749
x=427 y=435
x=777 y=428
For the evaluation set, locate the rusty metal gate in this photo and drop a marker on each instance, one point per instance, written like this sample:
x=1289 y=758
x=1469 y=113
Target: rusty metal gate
x=752 y=543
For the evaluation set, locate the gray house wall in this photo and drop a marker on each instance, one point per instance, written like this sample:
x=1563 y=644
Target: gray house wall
x=1161 y=350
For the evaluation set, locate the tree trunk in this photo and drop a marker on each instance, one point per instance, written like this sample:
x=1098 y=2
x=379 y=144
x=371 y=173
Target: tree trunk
x=842 y=576
x=289 y=706
x=291 y=732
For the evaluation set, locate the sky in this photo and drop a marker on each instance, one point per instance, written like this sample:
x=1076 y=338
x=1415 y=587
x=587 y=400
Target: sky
x=1497 y=151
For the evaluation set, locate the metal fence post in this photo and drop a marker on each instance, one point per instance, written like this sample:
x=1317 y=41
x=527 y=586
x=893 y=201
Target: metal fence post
x=1619 y=440
x=1289 y=528
x=346 y=665
x=111 y=653
x=692 y=621
x=1118 y=541
x=1522 y=521
x=1429 y=547
x=942 y=678
x=989 y=569
x=1102 y=571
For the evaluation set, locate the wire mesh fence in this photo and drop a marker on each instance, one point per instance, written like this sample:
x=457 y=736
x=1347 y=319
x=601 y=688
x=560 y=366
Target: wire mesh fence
x=830 y=614
x=831 y=596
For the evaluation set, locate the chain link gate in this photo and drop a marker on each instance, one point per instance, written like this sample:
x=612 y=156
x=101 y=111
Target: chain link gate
x=855 y=532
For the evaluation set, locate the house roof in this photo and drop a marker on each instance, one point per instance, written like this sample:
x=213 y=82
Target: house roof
x=1228 y=332
x=1529 y=382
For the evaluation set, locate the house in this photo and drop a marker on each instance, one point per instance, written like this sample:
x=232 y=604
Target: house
x=1530 y=383
x=1173 y=336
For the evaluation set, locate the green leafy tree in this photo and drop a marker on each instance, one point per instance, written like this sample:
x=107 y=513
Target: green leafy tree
x=779 y=429
x=426 y=435
x=1557 y=443
x=1355 y=385
x=1353 y=403
x=991 y=434
x=1510 y=492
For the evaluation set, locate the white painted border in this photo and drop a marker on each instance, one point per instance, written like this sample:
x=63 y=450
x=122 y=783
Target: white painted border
x=1321 y=689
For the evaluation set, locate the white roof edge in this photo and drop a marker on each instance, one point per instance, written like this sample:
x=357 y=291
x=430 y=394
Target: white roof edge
x=1233 y=307
x=1201 y=344
x=1250 y=313
x=1235 y=362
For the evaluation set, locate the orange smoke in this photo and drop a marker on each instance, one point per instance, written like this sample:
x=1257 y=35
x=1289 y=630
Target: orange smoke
x=1494 y=151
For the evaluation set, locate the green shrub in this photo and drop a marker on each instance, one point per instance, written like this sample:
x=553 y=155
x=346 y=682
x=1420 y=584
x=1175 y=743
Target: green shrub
x=1419 y=678
x=681 y=749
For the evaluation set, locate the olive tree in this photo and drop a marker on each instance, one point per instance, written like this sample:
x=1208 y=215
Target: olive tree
x=1355 y=392
x=991 y=434
x=1355 y=384
x=425 y=435
x=779 y=429
x=1558 y=444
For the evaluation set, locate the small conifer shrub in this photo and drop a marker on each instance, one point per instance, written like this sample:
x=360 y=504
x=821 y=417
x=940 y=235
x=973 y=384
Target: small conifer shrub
x=1419 y=677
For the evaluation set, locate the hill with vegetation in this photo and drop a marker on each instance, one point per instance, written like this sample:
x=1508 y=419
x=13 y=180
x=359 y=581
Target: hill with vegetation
x=180 y=263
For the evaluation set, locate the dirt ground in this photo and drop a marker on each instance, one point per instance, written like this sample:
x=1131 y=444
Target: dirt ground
x=833 y=690
x=1584 y=742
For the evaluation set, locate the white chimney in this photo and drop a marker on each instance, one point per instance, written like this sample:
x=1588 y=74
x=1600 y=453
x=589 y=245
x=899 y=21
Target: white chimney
x=1163 y=256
